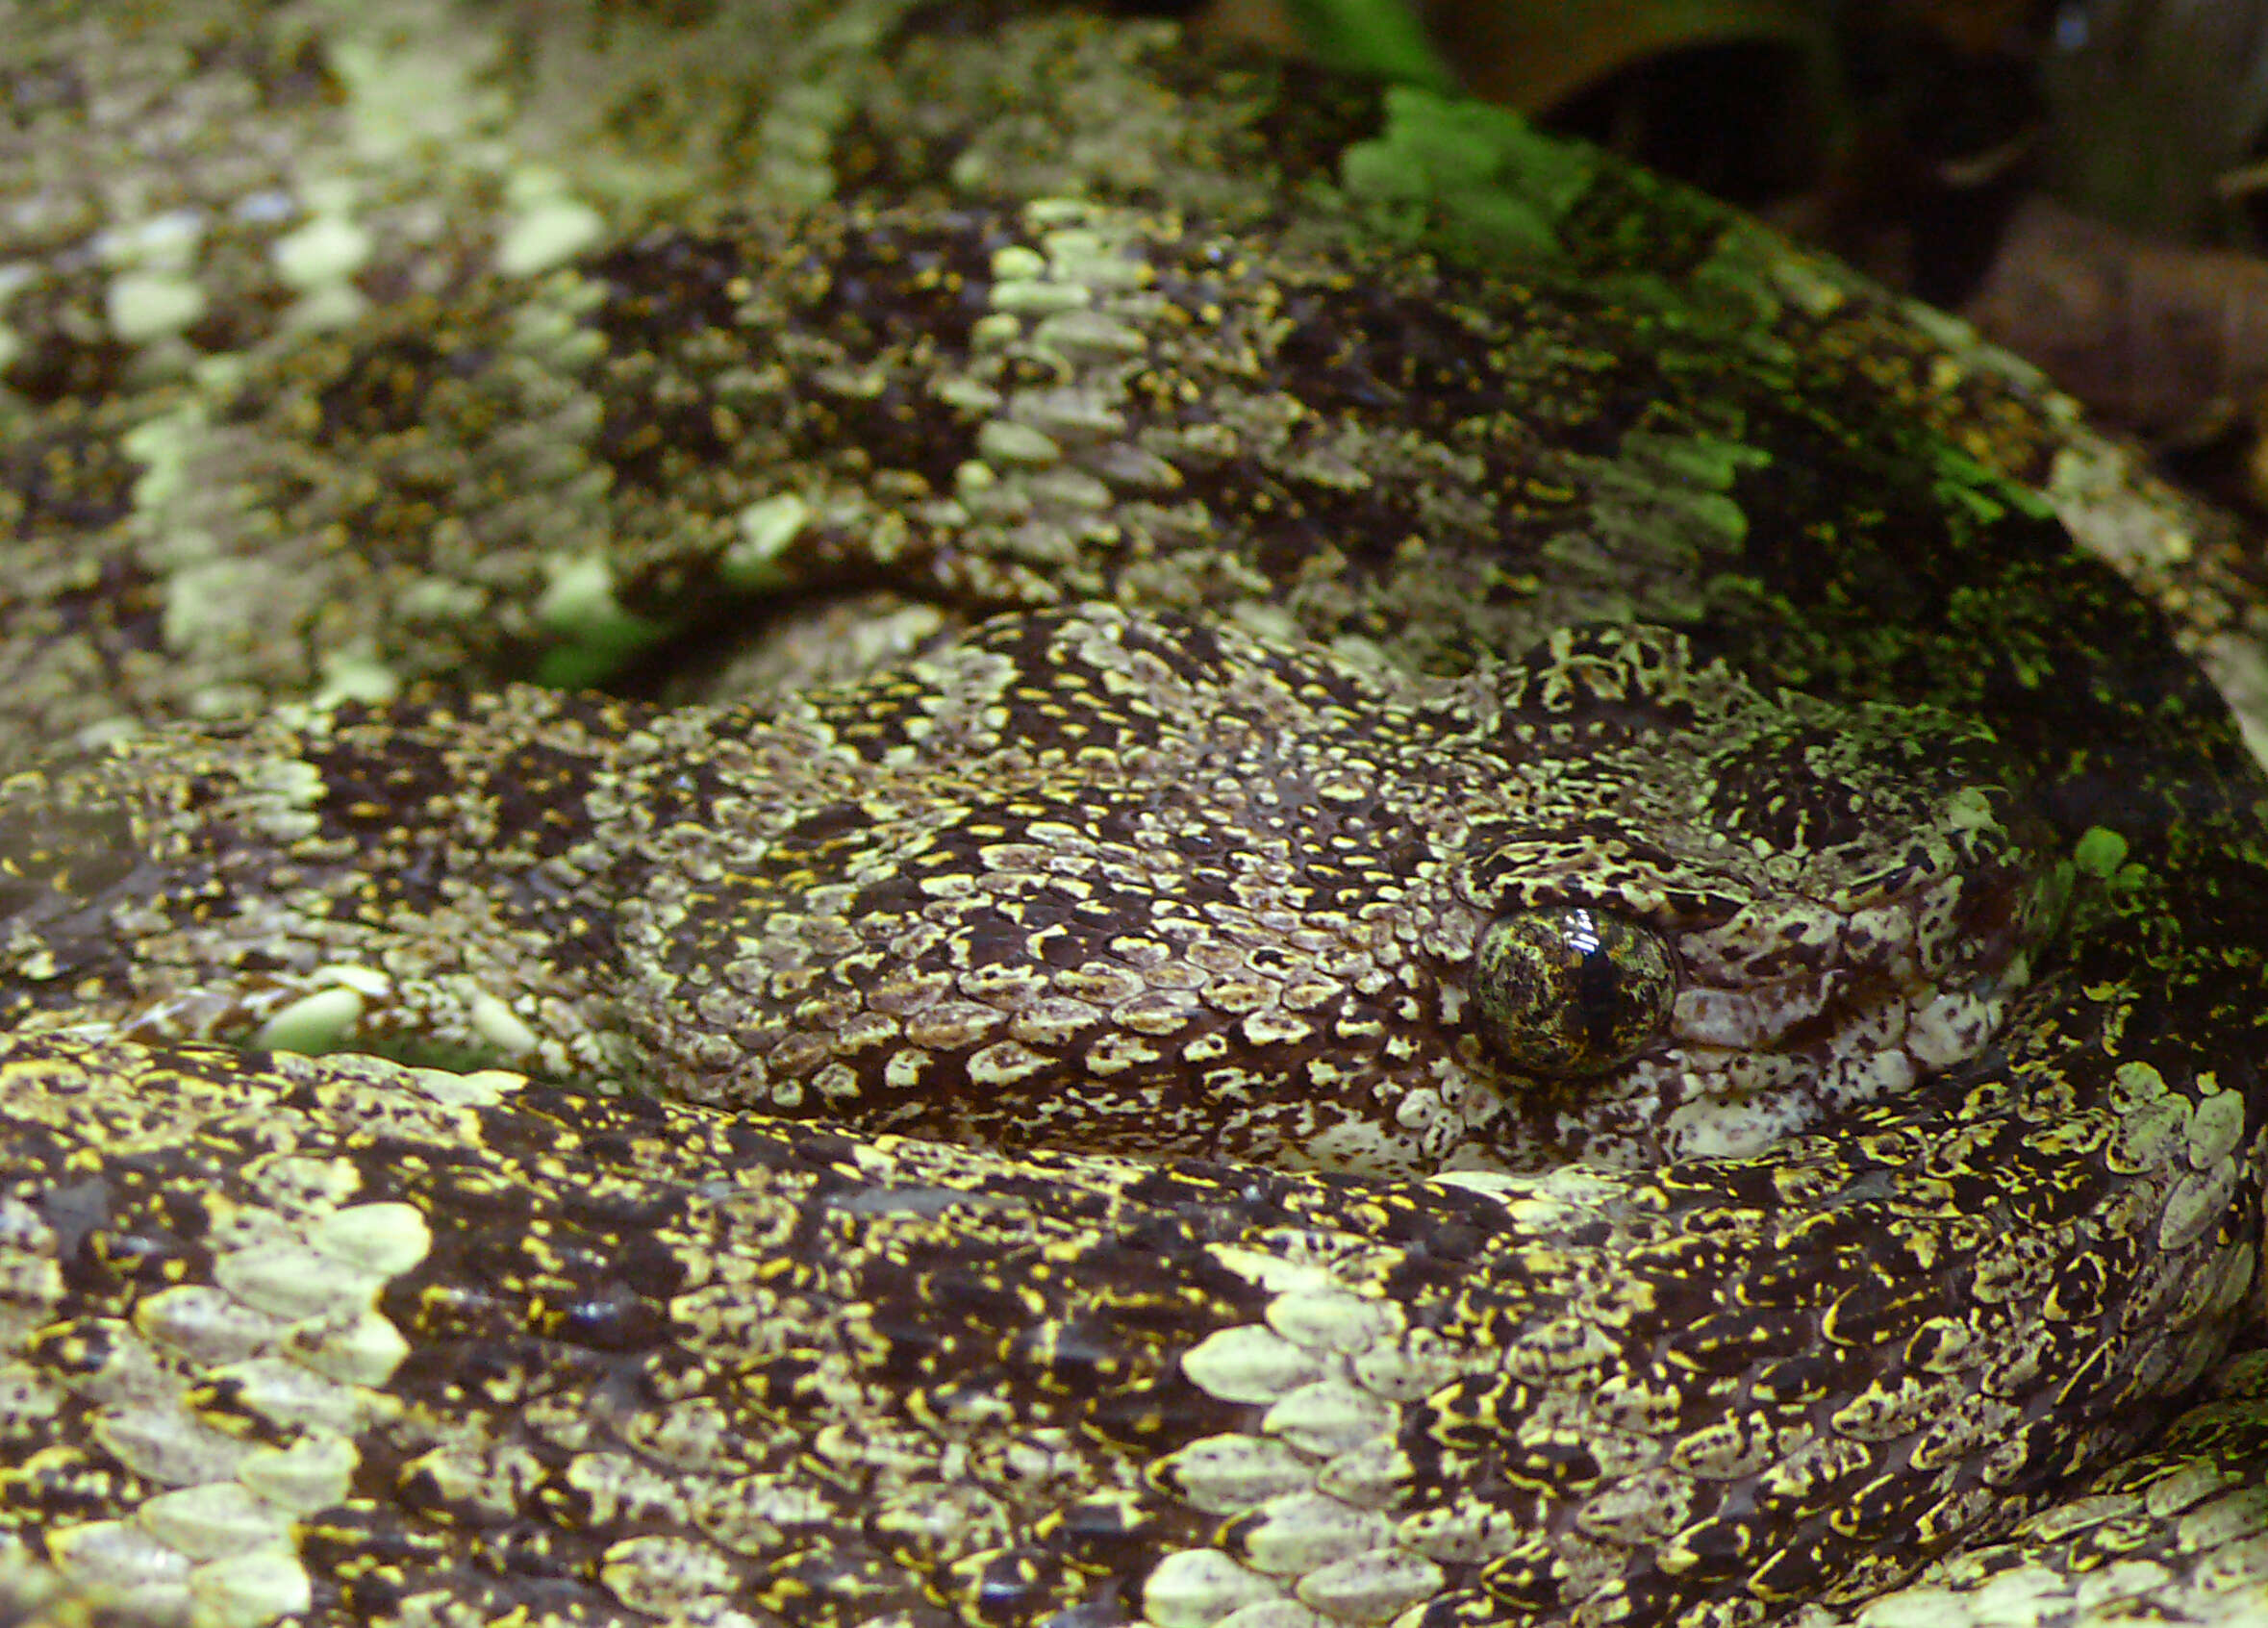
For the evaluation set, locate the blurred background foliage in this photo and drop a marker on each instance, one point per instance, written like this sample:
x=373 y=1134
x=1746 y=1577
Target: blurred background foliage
x=2087 y=180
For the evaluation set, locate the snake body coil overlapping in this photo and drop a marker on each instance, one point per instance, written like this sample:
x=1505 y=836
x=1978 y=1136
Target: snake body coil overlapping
x=1378 y=637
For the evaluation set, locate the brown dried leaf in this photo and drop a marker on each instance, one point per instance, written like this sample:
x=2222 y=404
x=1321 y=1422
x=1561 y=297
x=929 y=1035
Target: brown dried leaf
x=2162 y=339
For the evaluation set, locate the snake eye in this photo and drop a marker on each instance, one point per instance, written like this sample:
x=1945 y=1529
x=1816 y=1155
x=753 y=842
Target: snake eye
x=1566 y=990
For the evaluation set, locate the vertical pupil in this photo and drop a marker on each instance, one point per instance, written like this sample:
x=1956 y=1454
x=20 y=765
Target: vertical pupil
x=1598 y=982
x=1565 y=991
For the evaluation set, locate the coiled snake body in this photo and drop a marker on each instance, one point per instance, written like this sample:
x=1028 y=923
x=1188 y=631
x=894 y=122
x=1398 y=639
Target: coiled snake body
x=1750 y=1205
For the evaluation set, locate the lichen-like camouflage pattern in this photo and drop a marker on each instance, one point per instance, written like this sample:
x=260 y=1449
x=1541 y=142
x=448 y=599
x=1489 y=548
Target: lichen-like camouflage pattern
x=359 y=360
x=1081 y=880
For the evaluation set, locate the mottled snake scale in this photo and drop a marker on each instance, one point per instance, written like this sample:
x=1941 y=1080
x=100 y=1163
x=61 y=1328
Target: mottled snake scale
x=1283 y=859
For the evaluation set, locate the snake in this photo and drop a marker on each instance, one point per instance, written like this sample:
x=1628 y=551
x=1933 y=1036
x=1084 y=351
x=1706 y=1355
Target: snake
x=1279 y=856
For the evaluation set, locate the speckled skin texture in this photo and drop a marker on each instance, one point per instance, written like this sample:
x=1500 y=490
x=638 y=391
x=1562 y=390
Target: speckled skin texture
x=1081 y=880
x=1345 y=402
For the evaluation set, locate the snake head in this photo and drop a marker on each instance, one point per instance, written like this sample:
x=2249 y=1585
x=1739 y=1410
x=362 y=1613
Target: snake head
x=1109 y=881
x=1716 y=917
